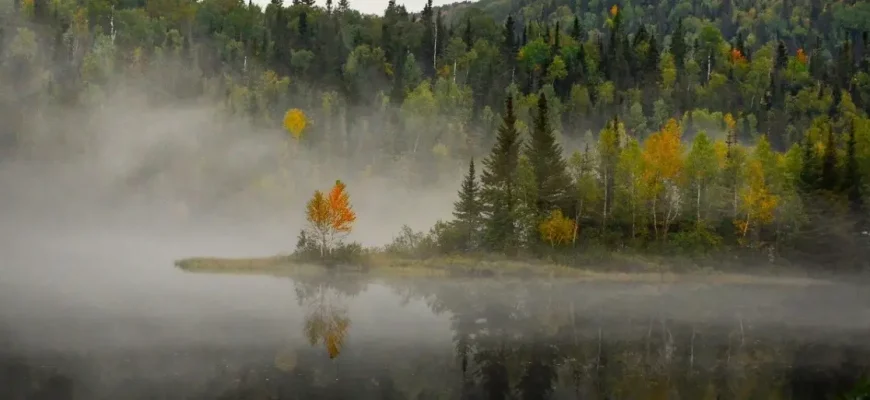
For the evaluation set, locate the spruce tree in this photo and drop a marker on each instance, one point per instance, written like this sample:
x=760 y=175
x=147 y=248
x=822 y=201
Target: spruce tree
x=498 y=193
x=467 y=209
x=550 y=170
x=468 y=36
x=678 y=46
x=852 y=181
x=809 y=175
x=829 y=163
x=576 y=33
x=343 y=6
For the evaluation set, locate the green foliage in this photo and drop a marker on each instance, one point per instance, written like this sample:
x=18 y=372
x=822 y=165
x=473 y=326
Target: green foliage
x=400 y=93
x=499 y=192
x=467 y=209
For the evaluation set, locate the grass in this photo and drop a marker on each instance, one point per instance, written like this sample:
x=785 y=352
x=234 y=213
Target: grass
x=387 y=265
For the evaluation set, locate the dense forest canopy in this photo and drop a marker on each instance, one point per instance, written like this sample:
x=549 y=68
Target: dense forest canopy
x=688 y=125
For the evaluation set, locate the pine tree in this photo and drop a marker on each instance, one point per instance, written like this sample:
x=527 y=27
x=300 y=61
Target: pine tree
x=576 y=33
x=852 y=181
x=468 y=37
x=781 y=56
x=510 y=43
x=557 y=40
x=467 y=209
x=550 y=170
x=498 y=193
x=829 y=163
x=678 y=46
x=651 y=64
x=809 y=175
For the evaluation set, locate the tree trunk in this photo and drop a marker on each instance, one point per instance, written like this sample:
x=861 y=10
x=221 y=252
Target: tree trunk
x=633 y=209
x=698 y=204
x=604 y=212
x=577 y=223
x=655 y=220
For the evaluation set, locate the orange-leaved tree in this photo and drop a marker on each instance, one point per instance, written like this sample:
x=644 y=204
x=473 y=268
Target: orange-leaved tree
x=330 y=217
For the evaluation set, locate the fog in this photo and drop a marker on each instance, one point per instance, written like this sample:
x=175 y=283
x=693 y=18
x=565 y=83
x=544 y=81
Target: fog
x=91 y=222
x=95 y=207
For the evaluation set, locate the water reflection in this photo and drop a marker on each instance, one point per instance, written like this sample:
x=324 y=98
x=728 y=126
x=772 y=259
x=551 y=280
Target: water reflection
x=326 y=319
x=510 y=340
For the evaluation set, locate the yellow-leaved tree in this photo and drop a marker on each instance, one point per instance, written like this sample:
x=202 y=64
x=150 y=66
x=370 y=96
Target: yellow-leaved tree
x=295 y=122
x=331 y=216
x=757 y=202
x=662 y=154
x=327 y=325
x=557 y=229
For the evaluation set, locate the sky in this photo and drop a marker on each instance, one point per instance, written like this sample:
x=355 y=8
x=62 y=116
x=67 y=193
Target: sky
x=378 y=6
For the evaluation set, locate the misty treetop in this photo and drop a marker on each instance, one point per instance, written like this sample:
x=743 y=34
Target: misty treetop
x=655 y=125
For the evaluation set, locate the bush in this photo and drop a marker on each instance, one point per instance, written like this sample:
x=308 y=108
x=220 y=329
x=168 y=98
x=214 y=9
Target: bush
x=407 y=243
x=447 y=238
x=306 y=248
x=342 y=253
x=696 y=241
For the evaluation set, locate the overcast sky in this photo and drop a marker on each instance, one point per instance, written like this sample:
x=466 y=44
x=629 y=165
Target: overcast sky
x=376 y=6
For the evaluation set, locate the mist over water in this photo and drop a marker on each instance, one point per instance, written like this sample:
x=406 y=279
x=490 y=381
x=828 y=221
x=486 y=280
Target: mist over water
x=89 y=294
x=108 y=311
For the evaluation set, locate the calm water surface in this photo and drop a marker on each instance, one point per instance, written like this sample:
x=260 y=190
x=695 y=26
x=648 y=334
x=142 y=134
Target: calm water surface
x=78 y=321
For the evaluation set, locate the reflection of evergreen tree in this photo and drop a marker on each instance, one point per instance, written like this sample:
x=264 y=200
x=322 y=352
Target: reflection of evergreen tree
x=493 y=373
x=539 y=373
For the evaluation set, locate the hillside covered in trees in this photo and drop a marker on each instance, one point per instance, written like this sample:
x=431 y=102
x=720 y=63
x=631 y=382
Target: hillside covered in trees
x=683 y=126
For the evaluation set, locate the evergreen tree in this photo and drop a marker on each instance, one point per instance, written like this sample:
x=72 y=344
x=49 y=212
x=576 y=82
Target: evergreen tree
x=557 y=41
x=829 y=163
x=781 y=56
x=809 y=175
x=852 y=182
x=510 y=44
x=428 y=43
x=550 y=170
x=678 y=46
x=467 y=209
x=651 y=64
x=576 y=33
x=468 y=36
x=498 y=193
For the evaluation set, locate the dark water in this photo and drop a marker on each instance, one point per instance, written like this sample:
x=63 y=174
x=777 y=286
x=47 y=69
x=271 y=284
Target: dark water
x=89 y=325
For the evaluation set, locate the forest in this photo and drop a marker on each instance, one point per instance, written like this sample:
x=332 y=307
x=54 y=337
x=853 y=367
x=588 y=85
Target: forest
x=732 y=130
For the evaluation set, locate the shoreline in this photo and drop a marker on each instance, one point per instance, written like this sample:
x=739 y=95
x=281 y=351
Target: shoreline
x=386 y=266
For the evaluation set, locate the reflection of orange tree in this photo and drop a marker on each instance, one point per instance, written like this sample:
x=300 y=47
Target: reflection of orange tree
x=326 y=323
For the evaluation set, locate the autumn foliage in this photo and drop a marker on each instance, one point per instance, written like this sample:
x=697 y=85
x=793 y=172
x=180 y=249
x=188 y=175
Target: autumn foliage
x=327 y=326
x=758 y=203
x=330 y=216
x=801 y=56
x=295 y=122
x=737 y=56
x=662 y=154
x=557 y=229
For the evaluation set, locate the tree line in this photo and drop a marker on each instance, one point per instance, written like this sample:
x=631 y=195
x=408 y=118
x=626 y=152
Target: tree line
x=684 y=122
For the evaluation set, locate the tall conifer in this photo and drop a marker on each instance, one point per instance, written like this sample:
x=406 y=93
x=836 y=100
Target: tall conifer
x=499 y=181
x=467 y=209
x=550 y=170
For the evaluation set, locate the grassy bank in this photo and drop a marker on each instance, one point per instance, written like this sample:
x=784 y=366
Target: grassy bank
x=386 y=265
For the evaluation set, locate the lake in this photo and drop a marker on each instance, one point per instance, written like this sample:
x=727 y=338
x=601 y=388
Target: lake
x=97 y=314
